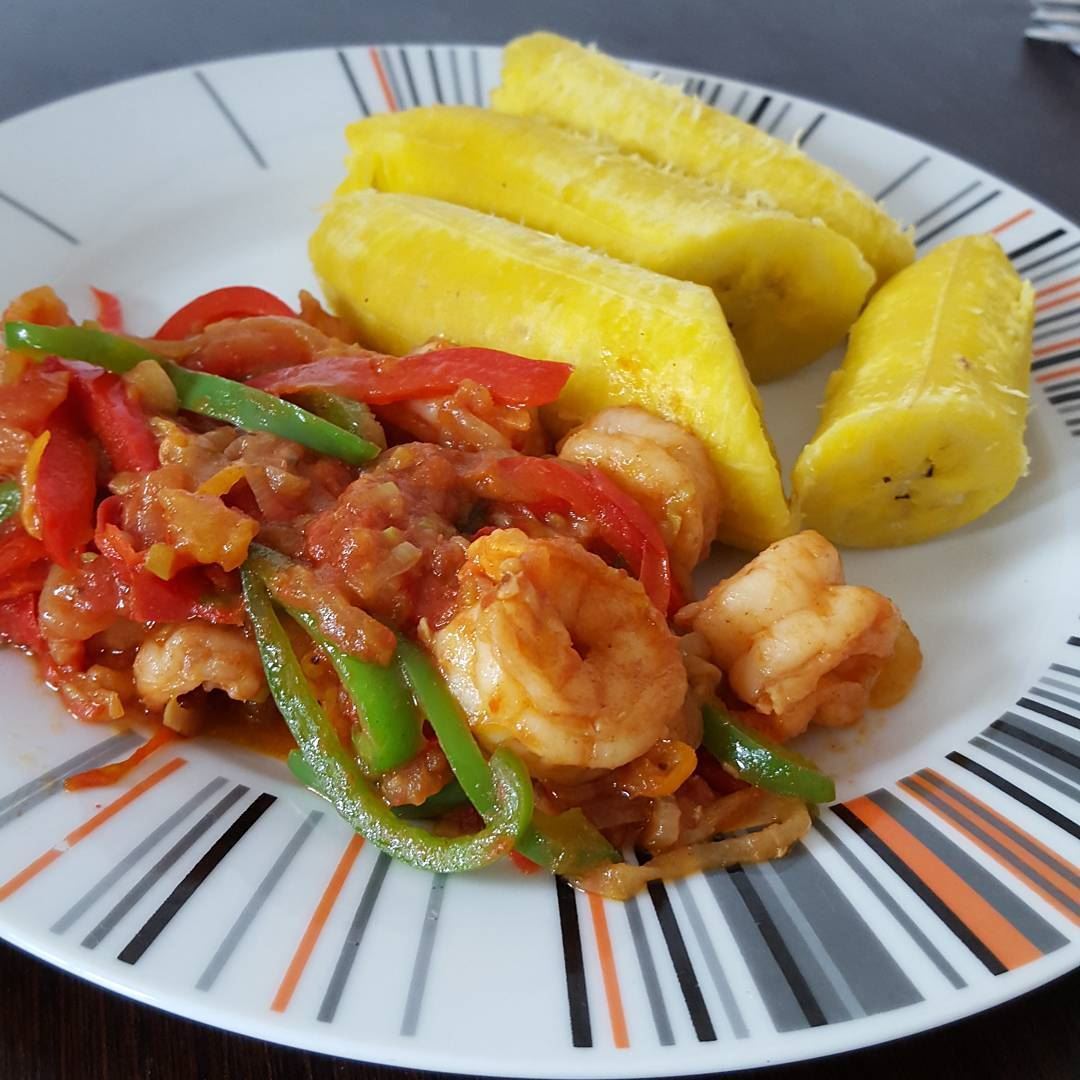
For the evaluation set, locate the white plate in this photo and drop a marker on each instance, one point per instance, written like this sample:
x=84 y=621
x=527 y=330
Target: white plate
x=213 y=887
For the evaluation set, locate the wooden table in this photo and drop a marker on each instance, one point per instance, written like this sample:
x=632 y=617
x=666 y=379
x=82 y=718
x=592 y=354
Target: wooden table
x=956 y=74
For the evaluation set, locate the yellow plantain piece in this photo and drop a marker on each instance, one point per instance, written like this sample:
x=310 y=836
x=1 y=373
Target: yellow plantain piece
x=547 y=75
x=923 y=425
x=790 y=288
x=403 y=269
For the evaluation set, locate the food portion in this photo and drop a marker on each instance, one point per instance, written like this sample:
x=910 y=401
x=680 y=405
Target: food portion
x=402 y=269
x=923 y=425
x=548 y=76
x=789 y=287
x=472 y=646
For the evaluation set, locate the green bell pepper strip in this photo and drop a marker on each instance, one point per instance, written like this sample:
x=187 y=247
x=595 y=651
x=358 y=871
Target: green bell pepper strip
x=351 y=415
x=392 y=732
x=10 y=498
x=197 y=391
x=762 y=762
x=565 y=843
x=340 y=780
x=447 y=798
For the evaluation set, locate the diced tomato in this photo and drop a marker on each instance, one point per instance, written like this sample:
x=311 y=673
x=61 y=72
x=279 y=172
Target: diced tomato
x=64 y=491
x=27 y=579
x=110 y=313
x=19 y=623
x=18 y=550
x=116 y=419
x=381 y=380
x=233 y=302
x=33 y=398
x=41 y=306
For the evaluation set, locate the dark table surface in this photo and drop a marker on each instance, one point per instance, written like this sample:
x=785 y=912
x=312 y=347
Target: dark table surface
x=953 y=72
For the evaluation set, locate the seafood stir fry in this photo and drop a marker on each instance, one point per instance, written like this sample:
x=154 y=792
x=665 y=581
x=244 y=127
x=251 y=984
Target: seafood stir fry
x=474 y=639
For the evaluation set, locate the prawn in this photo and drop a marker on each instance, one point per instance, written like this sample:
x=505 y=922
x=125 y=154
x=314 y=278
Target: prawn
x=795 y=642
x=666 y=469
x=558 y=656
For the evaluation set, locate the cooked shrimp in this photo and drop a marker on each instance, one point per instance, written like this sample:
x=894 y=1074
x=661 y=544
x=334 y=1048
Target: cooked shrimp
x=182 y=657
x=558 y=656
x=794 y=641
x=664 y=467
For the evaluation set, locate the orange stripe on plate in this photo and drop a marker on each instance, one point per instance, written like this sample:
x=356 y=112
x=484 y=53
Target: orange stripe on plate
x=1046 y=350
x=916 y=786
x=315 y=926
x=980 y=917
x=84 y=830
x=1009 y=222
x=384 y=82
x=1057 y=287
x=607 y=969
x=1046 y=305
x=1051 y=376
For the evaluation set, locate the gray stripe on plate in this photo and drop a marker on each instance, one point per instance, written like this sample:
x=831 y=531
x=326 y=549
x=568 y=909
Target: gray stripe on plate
x=648 y=973
x=772 y=986
x=1044 y=755
x=422 y=963
x=258 y=899
x=48 y=783
x=903 y=919
x=134 y=856
x=1026 y=766
x=1032 y=925
x=861 y=965
x=163 y=866
x=712 y=961
x=347 y=956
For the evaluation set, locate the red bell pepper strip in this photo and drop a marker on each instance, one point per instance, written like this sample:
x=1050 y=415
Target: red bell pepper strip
x=65 y=489
x=115 y=419
x=114 y=773
x=28 y=579
x=232 y=302
x=382 y=380
x=621 y=523
x=110 y=314
x=19 y=623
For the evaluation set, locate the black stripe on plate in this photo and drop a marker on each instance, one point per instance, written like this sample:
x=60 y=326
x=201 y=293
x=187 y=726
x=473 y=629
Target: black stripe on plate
x=1053 y=331
x=1054 y=271
x=409 y=80
x=163 y=866
x=778 y=119
x=910 y=927
x=653 y=992
x=1058 y=387
x=478 y=86
x=436 y=83
x=932 y=795
x=577 y=991
x=920 y=889
x=714 y=95
x=1025 y=765
x=1021 y=796
x=680 y=960
x=956 y=218
x=189 y=884
x=1042 y=935
x=1041 y=707
x=1057 y=316
x=1053 y=361
x=1034 y=245
x=785 y=961
x=950 y=201
x=350 y=77
x=455 y=73
x=906 y=175
x=1073 y=641
x=391 y=77
x=1048 y=258
x=33 y=215
x=759 y=109
x=1040 y=737
x=805 y=136
x=351 y=946
x=230 y=117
